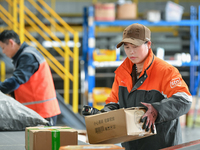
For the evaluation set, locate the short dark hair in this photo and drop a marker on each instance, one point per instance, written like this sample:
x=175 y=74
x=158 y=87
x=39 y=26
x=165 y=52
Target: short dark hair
x=9 y=34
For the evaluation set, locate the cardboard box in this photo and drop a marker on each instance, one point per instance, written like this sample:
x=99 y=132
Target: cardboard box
x=116 y=126
x=104 y=11
x=127 y=11
x=93 y=147
x=49 y=138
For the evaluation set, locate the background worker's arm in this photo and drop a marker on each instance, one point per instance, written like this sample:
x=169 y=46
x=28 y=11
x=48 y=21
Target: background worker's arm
x=27 y=66
x=9 y=85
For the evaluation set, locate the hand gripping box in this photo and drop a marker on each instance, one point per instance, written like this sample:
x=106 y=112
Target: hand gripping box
x=92 y=147
x=116 y=126
x=49 y=137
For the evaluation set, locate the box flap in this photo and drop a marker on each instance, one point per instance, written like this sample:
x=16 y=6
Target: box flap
x=134 y=108
x=133 y=121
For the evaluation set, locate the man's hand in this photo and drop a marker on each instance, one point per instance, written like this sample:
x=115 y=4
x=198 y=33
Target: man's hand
x=149 y=117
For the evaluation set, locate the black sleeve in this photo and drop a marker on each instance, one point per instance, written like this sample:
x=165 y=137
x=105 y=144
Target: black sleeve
x=27 y=65
x=9 y=85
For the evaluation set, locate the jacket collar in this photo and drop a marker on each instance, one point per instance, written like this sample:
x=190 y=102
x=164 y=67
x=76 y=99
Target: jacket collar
x=148 y=62
x=15 y=57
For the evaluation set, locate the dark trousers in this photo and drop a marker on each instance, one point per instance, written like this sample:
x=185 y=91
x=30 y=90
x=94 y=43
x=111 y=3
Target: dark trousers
x=52 y=120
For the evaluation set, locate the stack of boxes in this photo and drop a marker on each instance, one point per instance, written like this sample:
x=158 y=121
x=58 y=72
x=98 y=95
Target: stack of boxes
x=108 y=11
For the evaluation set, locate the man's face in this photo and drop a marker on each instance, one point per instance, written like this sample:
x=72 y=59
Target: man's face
x=7 y=48
x=137 y=54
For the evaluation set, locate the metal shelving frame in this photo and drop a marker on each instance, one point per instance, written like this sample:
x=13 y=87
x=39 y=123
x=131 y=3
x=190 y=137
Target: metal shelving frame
x=89 y=45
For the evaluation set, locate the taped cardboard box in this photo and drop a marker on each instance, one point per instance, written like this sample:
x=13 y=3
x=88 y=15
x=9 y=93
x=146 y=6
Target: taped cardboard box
x=116 y=126
x=104 y=11
x=127 y=11
x=49 y=138
x=93 y=147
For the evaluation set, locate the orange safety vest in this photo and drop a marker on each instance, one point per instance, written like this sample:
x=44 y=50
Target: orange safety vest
x=39 y=93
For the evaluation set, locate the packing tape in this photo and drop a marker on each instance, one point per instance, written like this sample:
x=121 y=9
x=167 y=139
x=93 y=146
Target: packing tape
x=55 y=139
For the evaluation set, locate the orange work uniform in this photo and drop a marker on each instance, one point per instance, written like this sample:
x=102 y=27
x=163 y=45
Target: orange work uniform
x=161 y=85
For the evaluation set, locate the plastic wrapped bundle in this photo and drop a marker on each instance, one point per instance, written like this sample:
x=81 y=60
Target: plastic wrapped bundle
x=15 y=117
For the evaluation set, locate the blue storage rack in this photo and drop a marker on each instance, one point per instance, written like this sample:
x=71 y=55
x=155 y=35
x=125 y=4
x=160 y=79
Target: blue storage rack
x=89 y=45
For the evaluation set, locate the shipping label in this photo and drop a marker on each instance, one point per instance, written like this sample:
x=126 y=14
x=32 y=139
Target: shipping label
x=104 y=125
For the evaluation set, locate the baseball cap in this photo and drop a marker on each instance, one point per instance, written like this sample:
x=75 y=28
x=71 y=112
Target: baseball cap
x=136 y=34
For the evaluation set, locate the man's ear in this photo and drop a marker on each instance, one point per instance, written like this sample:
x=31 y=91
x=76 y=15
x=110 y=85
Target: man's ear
x=149 y=44
x=11 y=41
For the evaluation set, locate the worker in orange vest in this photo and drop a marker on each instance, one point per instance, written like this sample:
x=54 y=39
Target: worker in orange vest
x=32 y=80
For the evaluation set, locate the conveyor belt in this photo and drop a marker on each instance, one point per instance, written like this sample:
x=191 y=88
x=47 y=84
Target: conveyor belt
x=12 y=140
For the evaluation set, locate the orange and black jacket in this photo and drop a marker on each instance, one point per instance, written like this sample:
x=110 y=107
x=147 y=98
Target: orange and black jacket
x=32 y=82
x=160 y=84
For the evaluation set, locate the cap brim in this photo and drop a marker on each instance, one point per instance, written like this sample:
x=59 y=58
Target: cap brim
x=136 y=42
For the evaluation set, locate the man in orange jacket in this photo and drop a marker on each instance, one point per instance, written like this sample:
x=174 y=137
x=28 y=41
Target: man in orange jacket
x=31 y=81
x=144 y=80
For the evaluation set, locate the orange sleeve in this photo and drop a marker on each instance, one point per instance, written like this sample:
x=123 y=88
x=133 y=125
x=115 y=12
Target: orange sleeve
x=174 y=83
x=113 y=97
